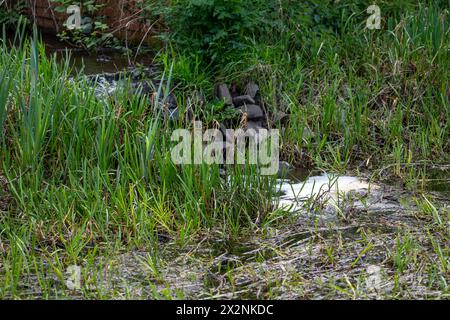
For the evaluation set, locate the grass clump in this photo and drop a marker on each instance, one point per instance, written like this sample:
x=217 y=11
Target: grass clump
x=88 y=174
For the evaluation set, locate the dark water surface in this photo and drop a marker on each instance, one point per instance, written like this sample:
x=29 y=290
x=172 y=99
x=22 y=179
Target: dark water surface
x=102 y=60
x=98 y=62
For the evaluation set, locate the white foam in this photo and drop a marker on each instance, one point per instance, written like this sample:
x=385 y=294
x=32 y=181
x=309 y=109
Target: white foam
x=329 y=188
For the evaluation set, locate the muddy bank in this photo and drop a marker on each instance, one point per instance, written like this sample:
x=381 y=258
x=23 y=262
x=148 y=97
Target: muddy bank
x=374 y=245
x=361 y=254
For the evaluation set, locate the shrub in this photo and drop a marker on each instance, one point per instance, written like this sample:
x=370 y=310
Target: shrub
x=214 y=28
x=11 y=14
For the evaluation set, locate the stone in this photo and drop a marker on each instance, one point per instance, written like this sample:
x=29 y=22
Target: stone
x=141 y=88
x=86 y=25
x=223 y=93
x=172 y=101
x=253 y=111
x=256 y=125
x=251 y=89
x=241 y=100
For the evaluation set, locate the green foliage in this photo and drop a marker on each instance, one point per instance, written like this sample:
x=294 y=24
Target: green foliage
x=11 y=15
x=93 y=36
x=86 y=173
x=221 y=30
x=57 y=129
x=98 y=37
x=218 y=111
x=217 y=29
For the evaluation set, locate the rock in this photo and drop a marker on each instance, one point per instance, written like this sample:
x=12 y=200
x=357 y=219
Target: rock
x=139 y=74
x=172 y=101
x=284 y=168
x=253 y=111
x=241 y=100
x=251 y=89
x=143 y=87
x=222 y=93
x=256 y=125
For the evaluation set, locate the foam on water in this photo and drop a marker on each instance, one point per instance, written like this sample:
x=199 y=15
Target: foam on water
x=329 y=188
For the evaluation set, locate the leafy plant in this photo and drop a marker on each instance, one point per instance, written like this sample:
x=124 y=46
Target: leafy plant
x=10 y=15
x=218 y=111
x=215 y=28
x=92 y=36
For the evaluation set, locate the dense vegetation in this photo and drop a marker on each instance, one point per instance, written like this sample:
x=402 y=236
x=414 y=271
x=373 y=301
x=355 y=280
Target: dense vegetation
x=354 y=89
x=82 y=177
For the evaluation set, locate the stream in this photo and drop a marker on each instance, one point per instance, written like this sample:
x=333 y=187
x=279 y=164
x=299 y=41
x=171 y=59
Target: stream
x=337 y=228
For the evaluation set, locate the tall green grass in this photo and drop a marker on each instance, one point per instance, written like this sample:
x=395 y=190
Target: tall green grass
x=359 y=97
x=97 y=173
x=89 y=175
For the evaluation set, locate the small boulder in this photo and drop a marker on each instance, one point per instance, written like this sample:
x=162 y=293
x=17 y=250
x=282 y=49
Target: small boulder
x=241 y=100
x=253 y=111
x=256 y=125
x=223 y=93
x=251 y=89
x=172 y=101
x=86 y=25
